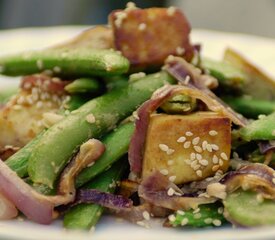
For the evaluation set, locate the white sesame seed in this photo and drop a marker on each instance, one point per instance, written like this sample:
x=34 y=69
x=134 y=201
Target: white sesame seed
x=181 y=139
x=215 y=168
x=193 y=156
x=204 y=162
x=195 y=140
x=198 y=156
x=215 y=159
x=90 y=118
x=217 y=222
x=215 y=147
x=204 y=144
x=199 y=173
x=171 y=11
x=187 y=161
x=187 y=144
x=142 y=26
x=224 y=156
x=180 y=212
x=197 y=215
x=209 y=147
x=170 y=192
x=196 y=167
x=163 y=147
x=196 y=210
x=194 y=163
x=189 y=134
x=220 y=210
x=184 y=221
x=170 y=162
x=213 y=133
x=208 y=220
x=164 y=172
x=136 y=76
x=57 y=69
x=146 y=215
x=172 y=178
x=198 y=149
x=220 y=162
x=180 y=51
x=187 y=80
x=120 y=16
x=172 y=218
x=170 y=151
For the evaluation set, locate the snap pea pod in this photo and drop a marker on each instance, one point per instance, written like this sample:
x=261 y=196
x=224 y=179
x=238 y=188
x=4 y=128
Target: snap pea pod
x=83 y=85
x=117 y=144
x=208 y=215
x=250 y=108
x=261 y=129
x=84 y=216
x=65 y=62
x=93 y=119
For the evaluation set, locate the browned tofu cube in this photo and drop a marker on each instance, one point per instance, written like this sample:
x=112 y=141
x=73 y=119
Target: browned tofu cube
x=187 y=147
x=147 y=36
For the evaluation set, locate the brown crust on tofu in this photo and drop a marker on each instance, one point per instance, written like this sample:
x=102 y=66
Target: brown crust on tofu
x=147 y=36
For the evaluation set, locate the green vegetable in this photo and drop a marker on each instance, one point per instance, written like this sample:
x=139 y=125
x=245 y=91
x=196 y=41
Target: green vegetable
x=227 y=74
x=117 y=144
x=84 y=216
x=261 y=129
x=54 y=150
x=244 y=208
x=83 y=85
x=207 y=215
x=65 y=62
x=251 y=108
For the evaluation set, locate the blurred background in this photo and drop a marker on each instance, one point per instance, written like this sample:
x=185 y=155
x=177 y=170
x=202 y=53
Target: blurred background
x=246 y=16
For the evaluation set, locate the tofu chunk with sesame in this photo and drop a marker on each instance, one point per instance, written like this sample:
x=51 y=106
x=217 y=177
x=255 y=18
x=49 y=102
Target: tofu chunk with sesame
x=148 y=36
x=187 y=148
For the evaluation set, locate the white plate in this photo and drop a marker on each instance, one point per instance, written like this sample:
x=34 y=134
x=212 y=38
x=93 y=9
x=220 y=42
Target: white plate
x=260 y=50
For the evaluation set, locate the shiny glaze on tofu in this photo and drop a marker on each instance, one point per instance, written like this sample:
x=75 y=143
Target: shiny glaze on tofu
x=187 y=147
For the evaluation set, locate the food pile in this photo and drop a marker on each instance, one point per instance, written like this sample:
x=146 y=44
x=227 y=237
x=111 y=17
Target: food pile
x=131 y=118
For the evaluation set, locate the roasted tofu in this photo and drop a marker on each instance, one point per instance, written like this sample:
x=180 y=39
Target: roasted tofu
x=21 y=118
x=187 y=148
x=148 y=36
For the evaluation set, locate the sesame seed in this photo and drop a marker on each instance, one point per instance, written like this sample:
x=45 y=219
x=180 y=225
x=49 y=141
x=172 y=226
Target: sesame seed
x=164 y=172
x=90 y=118
x=217 y=222
x=224 y=156
x=197 y=215
x=198 y=149
x=180 y=51
x=172 y=178
x=170 y=151
x=142 y=26
x=196 y=167
x=187 y=161
x=199 y=173
x=215 y=168
x=193 y=156
x=198 y=156
x=181 y=139
x=204 y=162
x=120 y=16
x=189 y=134
x=208 y=220
x=209 y=147
x=213 y=133
x=163 y=147
x=146 y=215
x=196 y=210
x=187 y=144
x=171 y=11
x=57 y=69
x=170 y=192
x=184 y=221
x=204 y=144
x=170 y=162
x=215 y=159
x=187 y=80
x=220 y=162
x=172 y=218
x=220 y=210
x=180 y=212
x=39 y=64
x=215 y=147
x=196 y=140
x=194 y=163
x=136 y=76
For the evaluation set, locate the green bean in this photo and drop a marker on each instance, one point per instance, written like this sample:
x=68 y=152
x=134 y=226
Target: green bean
x=206 y=215
x=117 y=144
x=250 y=108
x=65 y=62
x=84 y=216
x=261 y=129
x=83 y=85
x=115 y=82
x=93 y=119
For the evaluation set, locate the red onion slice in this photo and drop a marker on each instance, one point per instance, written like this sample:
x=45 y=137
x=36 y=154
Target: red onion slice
x=39 y=207
x=7 y=208
x=266 y=146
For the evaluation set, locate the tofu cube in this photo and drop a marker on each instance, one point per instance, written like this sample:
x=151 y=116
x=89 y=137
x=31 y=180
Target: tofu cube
x=147 y=36
x=187 y=148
